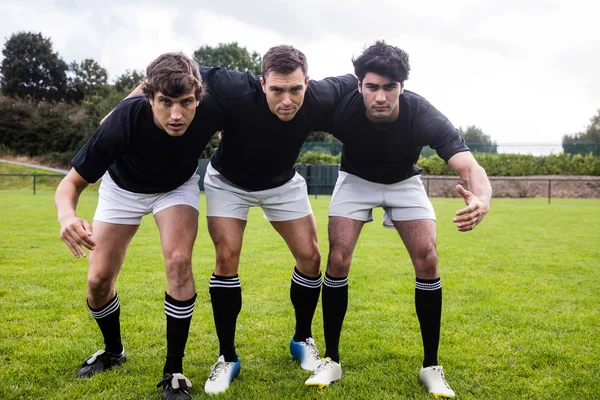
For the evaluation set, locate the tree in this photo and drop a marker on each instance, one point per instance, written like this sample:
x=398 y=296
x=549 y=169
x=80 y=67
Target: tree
x=477 y=140
x=584 y=142
x=89 y=77
x=129 y=80
x=230 y=56
x=31 y=70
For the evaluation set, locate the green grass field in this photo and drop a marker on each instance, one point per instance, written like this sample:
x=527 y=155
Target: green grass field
x=521 y=313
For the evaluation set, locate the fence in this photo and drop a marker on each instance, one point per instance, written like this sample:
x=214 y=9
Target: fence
x=35 y=178
x=321 y=179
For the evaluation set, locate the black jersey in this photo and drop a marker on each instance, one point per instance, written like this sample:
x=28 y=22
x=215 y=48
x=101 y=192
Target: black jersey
x=388 y=154
x=139 y=156
x=258 y=151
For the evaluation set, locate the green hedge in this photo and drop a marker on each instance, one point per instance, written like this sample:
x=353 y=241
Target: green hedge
x=314 y=158
x=495 y=164
x=521 y=165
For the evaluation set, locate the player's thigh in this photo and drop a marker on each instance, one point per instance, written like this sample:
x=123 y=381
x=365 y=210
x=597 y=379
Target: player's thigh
x=300 y=235
x=343 y=234
x=419 y=236
x=178 y=227
x=112 y=241
x=176 y=215
x=226 y=233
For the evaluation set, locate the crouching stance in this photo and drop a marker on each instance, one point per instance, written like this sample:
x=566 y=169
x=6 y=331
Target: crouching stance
x=147 y=163
x=383 y=129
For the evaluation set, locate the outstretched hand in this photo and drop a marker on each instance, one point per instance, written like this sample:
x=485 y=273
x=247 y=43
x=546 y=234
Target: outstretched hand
x=77 y=233
x=467 y=218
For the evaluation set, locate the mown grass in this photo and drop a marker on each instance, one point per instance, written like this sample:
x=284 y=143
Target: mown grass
x=520 y=317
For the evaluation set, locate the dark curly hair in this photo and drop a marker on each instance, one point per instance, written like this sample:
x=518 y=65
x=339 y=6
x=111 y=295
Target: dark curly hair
x=173 y=74
x=382 y=59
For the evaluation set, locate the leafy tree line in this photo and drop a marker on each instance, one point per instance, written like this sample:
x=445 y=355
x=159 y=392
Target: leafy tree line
x=51 y=107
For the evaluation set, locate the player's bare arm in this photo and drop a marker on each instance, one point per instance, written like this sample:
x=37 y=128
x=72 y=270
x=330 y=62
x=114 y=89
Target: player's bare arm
x=478 y=194
x=74 y=231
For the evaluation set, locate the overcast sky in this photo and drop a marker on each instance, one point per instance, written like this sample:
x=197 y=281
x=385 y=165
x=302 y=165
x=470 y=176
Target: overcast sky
x=522 y=70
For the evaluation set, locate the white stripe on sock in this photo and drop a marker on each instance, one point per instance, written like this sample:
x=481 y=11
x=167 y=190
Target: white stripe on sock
x=429 y=286
x=107 y=310
x=233 y=282
x=335 y=283
x=312 y=283
x=179 y=312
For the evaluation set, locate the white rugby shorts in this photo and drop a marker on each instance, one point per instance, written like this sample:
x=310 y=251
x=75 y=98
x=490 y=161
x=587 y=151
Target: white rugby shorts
x=120 y=206
x=355 y=198
x=283 y=203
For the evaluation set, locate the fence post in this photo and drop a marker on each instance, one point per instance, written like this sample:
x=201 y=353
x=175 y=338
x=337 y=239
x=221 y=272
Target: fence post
x=34 y=181
x=427 y=186
x=549 y=190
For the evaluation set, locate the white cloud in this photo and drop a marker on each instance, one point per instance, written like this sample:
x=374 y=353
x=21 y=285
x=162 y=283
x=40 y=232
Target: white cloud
x=521 y=70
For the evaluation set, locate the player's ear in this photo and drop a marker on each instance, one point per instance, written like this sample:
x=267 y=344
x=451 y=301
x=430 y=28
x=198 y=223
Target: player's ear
x=359 y=86
x=263 y=84
x=306 y=80
x=401 y=87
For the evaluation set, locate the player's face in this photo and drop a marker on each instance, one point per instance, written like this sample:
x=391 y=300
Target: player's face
x=174 y=114
x=285 y=92
x=381 y=97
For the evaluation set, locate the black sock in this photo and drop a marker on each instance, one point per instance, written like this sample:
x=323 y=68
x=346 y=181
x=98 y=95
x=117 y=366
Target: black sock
x=226 y=299
x=304 y=293
x=428 y=302
x=107 y=318
x=179 y=315
x=335 y=304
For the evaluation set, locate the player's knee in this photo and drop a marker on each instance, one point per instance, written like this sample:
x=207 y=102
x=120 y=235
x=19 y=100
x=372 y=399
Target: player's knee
x=227 y=256
x=426 y=264
x=310 y=258
x=99 y=286
x=338 y=263
x=178 y=261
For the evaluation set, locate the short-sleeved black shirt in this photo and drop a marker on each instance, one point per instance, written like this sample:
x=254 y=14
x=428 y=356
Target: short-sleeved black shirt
x=258 y=151
x=388 y=154
x=139 y=156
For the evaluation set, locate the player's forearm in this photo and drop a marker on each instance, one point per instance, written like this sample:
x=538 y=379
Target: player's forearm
x=135 y=92
x=478 y=183
x=66 y=198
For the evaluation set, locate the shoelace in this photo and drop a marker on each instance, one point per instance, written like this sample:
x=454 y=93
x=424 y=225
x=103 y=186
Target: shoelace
x=440 y=371
x=312 y=347
x=326 y=364
x=218 y=368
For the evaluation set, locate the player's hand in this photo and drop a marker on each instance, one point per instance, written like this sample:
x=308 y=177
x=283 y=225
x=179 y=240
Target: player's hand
x=77 y=233
x=467 y=218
